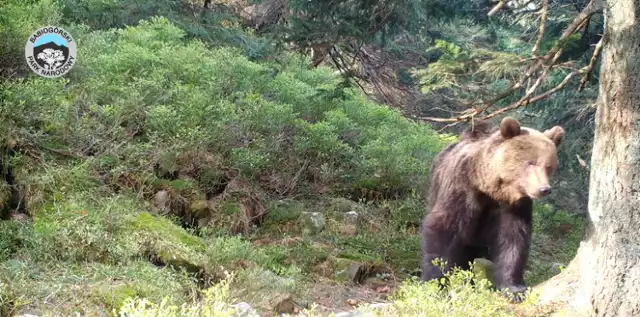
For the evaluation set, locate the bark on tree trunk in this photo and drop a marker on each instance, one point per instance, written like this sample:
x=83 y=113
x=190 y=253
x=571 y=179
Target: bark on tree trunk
x=605 y=275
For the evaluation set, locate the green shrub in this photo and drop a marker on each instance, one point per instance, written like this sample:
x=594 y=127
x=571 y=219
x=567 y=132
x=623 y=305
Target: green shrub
x=144 y=95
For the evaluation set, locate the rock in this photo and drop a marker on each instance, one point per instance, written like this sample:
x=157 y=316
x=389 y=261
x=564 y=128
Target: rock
x=483 y=269
x=355 y=313
x=200 y=213
x=342 y=205
x=356 y=272
x=351 y=217
x=341 y=269
x=379 y=305
x=161 y=202
x=556 y=268
x=347 y=314
x=286 y=306
x=312 y=222
x=243 y=309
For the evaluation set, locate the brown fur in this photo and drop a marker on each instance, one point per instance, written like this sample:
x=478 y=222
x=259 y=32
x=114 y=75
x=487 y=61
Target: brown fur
x=490 y=169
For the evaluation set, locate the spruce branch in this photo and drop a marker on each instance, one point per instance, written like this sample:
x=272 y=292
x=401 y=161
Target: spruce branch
x=584 y=71
x=545 y=63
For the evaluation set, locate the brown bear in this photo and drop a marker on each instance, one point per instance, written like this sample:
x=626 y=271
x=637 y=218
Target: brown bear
x=481 y=197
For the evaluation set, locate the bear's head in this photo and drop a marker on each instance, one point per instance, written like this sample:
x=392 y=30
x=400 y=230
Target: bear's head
x=524 y=159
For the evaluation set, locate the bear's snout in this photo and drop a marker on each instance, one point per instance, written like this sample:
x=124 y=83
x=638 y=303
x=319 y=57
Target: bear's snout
x=545 y=190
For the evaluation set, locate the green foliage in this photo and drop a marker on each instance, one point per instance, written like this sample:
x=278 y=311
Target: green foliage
x=85 y=288
x=480 y=58
x=458 y=68
x=549 y=226
x=363 y=19
x=462 y=298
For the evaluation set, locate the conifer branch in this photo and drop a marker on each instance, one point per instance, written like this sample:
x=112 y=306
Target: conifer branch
x=584 y=71
x=544 y=63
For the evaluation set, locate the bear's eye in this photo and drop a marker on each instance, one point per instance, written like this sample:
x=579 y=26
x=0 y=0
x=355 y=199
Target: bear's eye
x=528 y=163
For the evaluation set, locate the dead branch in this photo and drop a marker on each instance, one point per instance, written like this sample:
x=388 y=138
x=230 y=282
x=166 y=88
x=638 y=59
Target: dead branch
x=292 y=184
x=497 y=8
x=592 y=63
x=543 y=21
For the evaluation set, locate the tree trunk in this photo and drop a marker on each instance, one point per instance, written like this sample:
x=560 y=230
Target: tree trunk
x=605 y=275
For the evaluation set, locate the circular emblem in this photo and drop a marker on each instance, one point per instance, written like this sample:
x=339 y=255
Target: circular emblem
x=51 y=51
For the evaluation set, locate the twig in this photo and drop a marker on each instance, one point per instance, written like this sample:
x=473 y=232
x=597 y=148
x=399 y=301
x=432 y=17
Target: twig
x=64 y=152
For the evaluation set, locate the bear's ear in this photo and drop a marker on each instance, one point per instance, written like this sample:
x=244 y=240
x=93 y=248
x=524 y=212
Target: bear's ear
x=509 y=127
x=555 y=134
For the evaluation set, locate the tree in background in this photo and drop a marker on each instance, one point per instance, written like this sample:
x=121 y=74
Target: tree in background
x=605 y=275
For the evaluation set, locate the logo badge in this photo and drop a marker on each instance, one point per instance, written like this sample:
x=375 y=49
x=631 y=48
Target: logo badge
x=51 y=51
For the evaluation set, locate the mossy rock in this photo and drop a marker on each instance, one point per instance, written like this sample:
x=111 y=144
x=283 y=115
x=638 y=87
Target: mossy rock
x=114 y=296
x=356 y=271
x=179 y=258
x=342 y=205
x=168 y=244
x=312 y=222
x=199 y=206
x=341 y=268
x=483 y=269
x=284 y=211
x=166 y=230
x=200 y=212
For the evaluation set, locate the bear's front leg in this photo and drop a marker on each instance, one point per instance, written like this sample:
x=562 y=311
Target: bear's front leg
x=512 y=246
x=440 y=240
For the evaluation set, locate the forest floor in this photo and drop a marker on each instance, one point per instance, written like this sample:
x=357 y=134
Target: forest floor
x=330 y=254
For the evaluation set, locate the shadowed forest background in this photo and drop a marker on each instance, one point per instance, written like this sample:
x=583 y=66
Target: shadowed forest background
x=274 y=153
